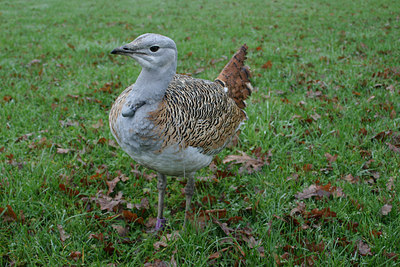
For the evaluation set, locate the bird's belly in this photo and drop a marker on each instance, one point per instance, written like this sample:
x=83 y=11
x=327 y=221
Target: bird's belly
x=138 y=138
x=172 y=160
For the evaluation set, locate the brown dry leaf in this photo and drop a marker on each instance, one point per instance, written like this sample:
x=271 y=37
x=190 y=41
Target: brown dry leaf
x=382 y=135
x=316 y=117
x=9 y=215
x=331 y=158
x=217 y=254
x=63 y=235
x=106 y=202
x=307 y=167
x=209 y=199
x=250 y=164
x=317 y=190
x=111 y=185
x=394 y=148
x=386 y=209
x=132 y=217
x=293 y=176
x=390 y=184
x=98 y=236
x=151 y=222
x=109 y=249
x=301 y=207
x=157 y=245
x=63 y=150
x=391 y=255
x=98 y=125
x=351 y=179
x=363 y=248
x=267 y=65
x=112 y=143
x=121 y=230
x=144 y=204
x=7 y=98
x=75 y=255
x=69 y=191
x=156 y=263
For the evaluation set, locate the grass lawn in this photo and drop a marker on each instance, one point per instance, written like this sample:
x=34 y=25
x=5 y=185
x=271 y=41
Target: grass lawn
x=323 y=136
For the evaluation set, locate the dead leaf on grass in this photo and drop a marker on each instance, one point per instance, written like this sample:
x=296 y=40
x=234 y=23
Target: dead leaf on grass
x=121 y=230
x=63 y=235
x=363 y=248
x=390 y=184
x=159 y=244
x=331 y=158
x=9 y=215
x=386 y=209
x=351 y=179
x=250 y=164
x=320 y=191
x=394 y=148
x=106 y=202
x=75 y=255
x=63 y=150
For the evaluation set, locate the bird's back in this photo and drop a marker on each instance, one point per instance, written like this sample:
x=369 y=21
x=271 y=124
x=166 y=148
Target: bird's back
x=196 y=113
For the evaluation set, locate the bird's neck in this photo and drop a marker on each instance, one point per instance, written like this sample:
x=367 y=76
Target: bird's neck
x=151 y=84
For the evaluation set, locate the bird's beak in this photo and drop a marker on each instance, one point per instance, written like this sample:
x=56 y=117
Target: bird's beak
x=123 y=50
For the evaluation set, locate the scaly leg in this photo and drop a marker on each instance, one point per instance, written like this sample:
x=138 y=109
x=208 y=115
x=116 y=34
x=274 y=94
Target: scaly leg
x=189 y=191
x=161 y=185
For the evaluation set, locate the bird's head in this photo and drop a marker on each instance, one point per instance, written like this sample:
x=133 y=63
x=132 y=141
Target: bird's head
x=153 y=52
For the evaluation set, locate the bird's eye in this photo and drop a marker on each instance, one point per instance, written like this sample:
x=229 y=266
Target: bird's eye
x=154 y=48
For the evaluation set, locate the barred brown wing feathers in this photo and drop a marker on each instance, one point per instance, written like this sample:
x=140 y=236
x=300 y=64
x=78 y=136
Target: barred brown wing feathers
x=197 y=113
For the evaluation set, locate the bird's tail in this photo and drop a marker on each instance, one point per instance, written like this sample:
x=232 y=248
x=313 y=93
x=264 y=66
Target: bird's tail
x=236 y=77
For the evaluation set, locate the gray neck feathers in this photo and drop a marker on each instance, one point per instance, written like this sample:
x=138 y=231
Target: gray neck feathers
x=151 y=84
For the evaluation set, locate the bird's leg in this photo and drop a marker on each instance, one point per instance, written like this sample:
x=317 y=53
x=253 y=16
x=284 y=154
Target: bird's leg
x=189 y=191
x=161 y=185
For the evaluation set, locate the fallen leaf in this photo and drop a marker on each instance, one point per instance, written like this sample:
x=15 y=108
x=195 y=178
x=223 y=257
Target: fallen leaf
x=157 y=245
x=68 y=191
x=9 y=215
x=63 y=150
x=363 y=248
x=98 y=125
x=250 y=164
x=75 y=255
x=351 y=179
x=331 y=158
x=151 y=222
x=132 y=217
x=301 y=207
x=382 y=135
x=320 y=191
x=106 y=202
x=63 y=235
x=111 y=184
x=391 y=255
x=217 y=254
x=386 y=209
x=109 y=249
x=98 y=236
x=267 y=65
x=394 y=148
x=121 y=230
x=390 y=184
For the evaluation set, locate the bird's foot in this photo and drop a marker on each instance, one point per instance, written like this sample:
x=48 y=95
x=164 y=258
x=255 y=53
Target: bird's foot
x=160 y=225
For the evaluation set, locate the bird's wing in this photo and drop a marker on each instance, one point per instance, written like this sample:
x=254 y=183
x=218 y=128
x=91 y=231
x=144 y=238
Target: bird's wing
x=197 y=113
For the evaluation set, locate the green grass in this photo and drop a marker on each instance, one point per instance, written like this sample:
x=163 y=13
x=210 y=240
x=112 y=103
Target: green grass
x=54 y=70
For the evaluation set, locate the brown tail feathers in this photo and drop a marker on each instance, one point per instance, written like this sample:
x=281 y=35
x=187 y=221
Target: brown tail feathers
x=236 y=77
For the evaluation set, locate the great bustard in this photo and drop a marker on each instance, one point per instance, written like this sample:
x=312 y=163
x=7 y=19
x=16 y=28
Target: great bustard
x=175 y=124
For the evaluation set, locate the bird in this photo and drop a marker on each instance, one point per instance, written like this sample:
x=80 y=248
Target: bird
x=172 y=123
